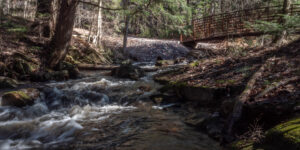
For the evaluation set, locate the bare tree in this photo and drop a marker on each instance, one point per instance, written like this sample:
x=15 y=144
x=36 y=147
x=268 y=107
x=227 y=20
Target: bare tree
x=99 y=24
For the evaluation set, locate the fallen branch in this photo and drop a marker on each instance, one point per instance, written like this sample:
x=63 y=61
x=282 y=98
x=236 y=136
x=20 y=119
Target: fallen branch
x=238 y=107
x=96 y=67
x=276 y=85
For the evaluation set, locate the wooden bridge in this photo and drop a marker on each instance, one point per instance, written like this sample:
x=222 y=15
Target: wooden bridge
x=233 y=24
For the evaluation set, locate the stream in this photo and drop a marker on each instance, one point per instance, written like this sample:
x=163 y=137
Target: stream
x=99 y=112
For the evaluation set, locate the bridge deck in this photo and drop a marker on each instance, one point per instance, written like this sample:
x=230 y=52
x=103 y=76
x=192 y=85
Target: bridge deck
x=233 y=24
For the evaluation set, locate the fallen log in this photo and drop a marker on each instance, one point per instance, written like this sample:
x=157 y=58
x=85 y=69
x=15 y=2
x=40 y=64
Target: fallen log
x=96 y=67
x=239 y=104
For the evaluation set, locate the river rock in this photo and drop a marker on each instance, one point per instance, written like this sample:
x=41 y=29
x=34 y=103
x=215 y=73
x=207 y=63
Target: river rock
x=128 y=71
x=6 y=82
x=20 y=98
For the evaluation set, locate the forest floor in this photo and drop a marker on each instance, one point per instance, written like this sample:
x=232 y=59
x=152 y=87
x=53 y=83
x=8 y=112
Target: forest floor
x=273 y=98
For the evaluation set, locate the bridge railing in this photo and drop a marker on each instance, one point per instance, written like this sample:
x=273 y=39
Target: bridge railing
x=234 y=23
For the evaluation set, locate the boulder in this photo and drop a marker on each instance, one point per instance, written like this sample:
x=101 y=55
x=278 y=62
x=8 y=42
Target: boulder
x=7 y=83
x=20 y=98
x=128 y=71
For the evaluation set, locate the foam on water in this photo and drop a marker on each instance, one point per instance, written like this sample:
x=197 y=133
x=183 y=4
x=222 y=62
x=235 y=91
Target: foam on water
x=58 y=115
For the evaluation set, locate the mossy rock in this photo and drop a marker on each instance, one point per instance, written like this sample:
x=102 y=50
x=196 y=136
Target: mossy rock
x=7 y=83
x=16 y=98
x=284 y=136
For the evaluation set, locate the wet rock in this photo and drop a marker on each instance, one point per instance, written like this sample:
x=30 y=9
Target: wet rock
x=128 y=71
x=7 y=83
x=20 y=98
x=164 y=62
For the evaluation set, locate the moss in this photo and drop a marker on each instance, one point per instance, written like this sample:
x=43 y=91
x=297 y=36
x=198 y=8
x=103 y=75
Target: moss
x=285 y=135
x=227 y=82
x=18 y=29
x=20 y=94
x=71 y=60
x=178 y=84
x=241 y=145
x=194 y=64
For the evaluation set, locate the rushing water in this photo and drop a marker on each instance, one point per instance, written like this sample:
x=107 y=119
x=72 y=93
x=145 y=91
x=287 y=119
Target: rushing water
x=98 y=112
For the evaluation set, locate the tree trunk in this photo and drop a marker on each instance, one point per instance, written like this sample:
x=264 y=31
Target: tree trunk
x=63 y=32
x=279 y=39
x=55 y=6
x=125 y=33
x=221 y=3
x=8 y=7
x=1 y=10
x=242 y=99
x=46 y=16
x=25 y=8
x=99 y=27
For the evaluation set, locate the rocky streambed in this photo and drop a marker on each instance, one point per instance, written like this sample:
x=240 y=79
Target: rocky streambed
x=99 y=112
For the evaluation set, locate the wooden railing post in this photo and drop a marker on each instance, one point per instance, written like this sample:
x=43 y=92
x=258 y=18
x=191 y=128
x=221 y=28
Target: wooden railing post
x=181 y=38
